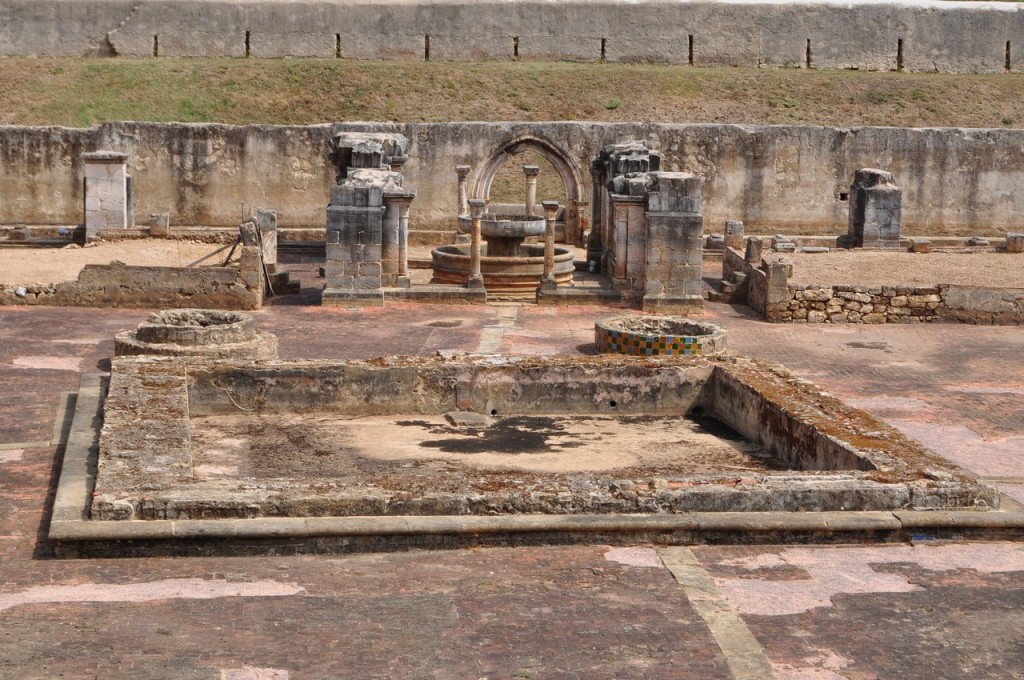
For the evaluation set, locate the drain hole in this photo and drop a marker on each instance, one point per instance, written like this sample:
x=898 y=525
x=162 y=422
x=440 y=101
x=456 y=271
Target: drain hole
x=613 y=403
x=494 y=411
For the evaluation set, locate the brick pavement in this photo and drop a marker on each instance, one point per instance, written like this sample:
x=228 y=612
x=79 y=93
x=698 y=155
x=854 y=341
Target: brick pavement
x=921 y=611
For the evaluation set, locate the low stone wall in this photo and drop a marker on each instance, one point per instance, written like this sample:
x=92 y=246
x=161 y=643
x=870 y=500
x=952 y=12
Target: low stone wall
x=754 y=289
x=121 y=285
x=767 y=291
x=972 y=304
x=899 y=304
x=857 y=304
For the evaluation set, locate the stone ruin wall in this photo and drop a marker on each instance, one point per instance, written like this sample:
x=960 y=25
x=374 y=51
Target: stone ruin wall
x=881 y=36
x=782 y=302
x=776 y=179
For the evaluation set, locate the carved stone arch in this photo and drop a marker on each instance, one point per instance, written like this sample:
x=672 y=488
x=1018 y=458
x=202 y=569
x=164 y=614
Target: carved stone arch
x=561 y=161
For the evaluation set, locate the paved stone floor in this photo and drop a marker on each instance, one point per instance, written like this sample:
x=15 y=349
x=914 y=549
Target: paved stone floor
x=923 y=610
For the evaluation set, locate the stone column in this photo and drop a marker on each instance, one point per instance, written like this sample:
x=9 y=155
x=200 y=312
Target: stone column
x=476 y=279
x=595 y=244
x=266 y=221
x=107 y=201
x=576 y=224
x=404 y=204
x=733 y=234
x=389 y=241
x=463 y=173
x=753 y=252
x=547 y=281
x=531 y=172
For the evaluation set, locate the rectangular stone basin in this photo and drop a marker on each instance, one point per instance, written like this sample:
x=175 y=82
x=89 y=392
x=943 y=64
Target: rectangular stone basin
x=480 y=435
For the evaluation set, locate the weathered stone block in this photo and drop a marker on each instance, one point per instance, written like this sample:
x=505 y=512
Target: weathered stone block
x=1015 y=243
x=920 y=245
x=875 y=209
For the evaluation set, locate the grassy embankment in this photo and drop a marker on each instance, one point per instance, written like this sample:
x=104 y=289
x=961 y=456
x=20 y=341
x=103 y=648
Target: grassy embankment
x=83 y=92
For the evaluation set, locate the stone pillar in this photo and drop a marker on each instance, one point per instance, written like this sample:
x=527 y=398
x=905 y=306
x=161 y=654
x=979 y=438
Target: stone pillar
x=547 y=281
x=753 y=252
x=476 y=279
x=107 y=189
x=404 y=203
x=390 y=238
x=531 y=172
x=596 y=244
x=875 y=207
x=576 y=223
x=613 y=161
x=733 y=234
x=364 y=218
x=266 y=220
x=463 y=172
x=778 y=274
x=675 y=238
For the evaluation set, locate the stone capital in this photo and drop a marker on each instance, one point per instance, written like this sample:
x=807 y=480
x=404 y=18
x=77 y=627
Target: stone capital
x=531 y=170
x=477 y=206
x=462 y=171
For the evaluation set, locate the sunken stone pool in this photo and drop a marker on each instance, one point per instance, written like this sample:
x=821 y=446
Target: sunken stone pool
x=470 y=435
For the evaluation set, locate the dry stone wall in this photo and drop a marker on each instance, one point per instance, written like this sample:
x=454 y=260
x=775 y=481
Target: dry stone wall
x=776 y=179
x=857 y=304
x=913 y=36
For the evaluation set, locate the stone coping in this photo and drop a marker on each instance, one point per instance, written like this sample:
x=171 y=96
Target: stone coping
x=74 y=534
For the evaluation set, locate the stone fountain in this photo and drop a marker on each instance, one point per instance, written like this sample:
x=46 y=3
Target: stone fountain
x=504 y=263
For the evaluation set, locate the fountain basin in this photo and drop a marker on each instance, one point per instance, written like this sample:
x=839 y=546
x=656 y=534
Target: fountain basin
x=658 y=336
x=516 y=274
x=508 y=225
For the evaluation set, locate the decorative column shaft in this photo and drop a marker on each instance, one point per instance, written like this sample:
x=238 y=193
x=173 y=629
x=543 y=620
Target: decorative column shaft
x=463 y=173
x=531 y=172
x=547 y=281
x=403 y=241
x=389 y=241
x=476 y=279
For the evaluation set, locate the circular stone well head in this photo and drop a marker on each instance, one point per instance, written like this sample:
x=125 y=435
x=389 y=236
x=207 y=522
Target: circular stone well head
x=201 y=333
x=658 y=336
x=194 y=327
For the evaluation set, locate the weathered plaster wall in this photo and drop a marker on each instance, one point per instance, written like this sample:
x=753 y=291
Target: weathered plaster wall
x=775 y=178
x=936 y=35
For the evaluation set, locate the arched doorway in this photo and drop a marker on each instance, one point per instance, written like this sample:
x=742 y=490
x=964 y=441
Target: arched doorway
x=560 y=160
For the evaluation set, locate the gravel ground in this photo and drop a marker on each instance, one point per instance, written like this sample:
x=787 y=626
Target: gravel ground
x=26 y=265
x=874 y=268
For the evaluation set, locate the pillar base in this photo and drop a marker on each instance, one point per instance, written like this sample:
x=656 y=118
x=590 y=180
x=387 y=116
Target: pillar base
x=547 y=285
x=475 y=283
x=341 y=297
x=674 y=304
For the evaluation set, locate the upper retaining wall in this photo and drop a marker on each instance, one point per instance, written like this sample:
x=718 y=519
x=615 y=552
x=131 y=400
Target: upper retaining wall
x=935 y=35
x=775 y=178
